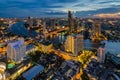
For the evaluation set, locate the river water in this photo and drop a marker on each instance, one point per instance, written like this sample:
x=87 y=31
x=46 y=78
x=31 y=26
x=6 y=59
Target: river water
x=111 y=46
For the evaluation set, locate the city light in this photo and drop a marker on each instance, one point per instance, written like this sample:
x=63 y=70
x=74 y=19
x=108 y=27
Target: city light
x=59 y=40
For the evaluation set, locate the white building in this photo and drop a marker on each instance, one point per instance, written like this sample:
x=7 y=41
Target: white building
x=74 y=44
x=2 y=70
x=101 y=54
x=16 y=50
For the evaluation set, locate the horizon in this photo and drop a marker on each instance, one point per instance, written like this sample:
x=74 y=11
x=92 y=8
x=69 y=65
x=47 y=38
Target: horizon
x=59 y=8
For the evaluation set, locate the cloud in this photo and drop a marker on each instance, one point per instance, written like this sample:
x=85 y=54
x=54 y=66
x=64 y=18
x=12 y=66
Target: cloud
x=24 y=8
x=56 y=13
x=80 y=5
x=90 y=13
x=23 y=1
x=108 y=15
x=106 y=2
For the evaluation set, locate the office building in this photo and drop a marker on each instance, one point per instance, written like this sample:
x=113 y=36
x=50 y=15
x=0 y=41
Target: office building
x=2 y=70
x=44 y=28
x=96 y=28
x=16 y=50
x=74 y=44
x=101 y=54
x=70 y=21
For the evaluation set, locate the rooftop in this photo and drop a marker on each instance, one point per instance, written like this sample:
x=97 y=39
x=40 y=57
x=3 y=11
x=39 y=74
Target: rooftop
x=33 y=72
x=46 y=43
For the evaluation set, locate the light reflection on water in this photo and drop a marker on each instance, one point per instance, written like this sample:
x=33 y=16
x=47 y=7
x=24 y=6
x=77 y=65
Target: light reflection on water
x=112 y=47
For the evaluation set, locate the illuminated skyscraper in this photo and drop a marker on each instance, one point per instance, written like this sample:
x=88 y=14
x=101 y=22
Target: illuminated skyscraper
x=52 y=23
x=16 y=50
x=101 y=54
x=74 y=44
x=44 y=28
x=96 y=28
x=70 y=22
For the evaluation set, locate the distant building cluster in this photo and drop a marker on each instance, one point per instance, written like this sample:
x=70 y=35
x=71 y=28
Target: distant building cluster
x=66 y=47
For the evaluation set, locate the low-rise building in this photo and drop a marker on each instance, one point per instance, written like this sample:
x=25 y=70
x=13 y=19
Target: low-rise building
x=45 y=46
x=68 y=70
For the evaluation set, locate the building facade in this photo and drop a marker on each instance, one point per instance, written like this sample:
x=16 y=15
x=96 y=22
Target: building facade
x=101 y=54
x=45 y=47
x=70 y=21
x=96 y=28
x=74 y=44
x=16 y=50
x=2 y=70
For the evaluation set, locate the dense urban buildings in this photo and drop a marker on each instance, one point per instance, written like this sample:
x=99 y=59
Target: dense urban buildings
x=55 y=44
x=58 y=49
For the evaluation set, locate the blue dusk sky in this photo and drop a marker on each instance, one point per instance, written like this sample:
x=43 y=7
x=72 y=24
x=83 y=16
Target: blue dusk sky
x=57 y=8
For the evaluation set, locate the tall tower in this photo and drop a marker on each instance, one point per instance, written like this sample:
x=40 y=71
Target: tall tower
x=44 y=30
x=70 y=23
x=30 y=22
x=96 y=28
x=74 y=44
x=16 y=51
x=44 y=27
x=52 y=23
x=101 y=54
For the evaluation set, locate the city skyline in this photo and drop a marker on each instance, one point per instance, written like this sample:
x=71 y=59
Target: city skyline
x=58 y=8
x=67 y=48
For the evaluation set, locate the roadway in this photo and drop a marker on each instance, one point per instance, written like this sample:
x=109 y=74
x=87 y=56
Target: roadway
x=98 y=37
x=83 y=58
x=55 y=32
x=18 y=69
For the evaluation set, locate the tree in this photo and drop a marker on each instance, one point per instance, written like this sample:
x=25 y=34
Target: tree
x=84 y=76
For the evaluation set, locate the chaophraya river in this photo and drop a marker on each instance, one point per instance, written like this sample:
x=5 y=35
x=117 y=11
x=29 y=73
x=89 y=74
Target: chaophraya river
x=110 y=46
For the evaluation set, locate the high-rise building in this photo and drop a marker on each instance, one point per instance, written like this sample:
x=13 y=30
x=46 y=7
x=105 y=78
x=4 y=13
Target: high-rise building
x=75 y=23
x=52 y=23
x=30 y=21
x=96 y=28
x=44 y=28
x=74 y=44
x=70 y=22
x=16 y=50
x=2 y=70
x=101 y=54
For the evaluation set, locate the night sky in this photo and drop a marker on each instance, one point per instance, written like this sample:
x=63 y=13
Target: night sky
x=57 y=8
